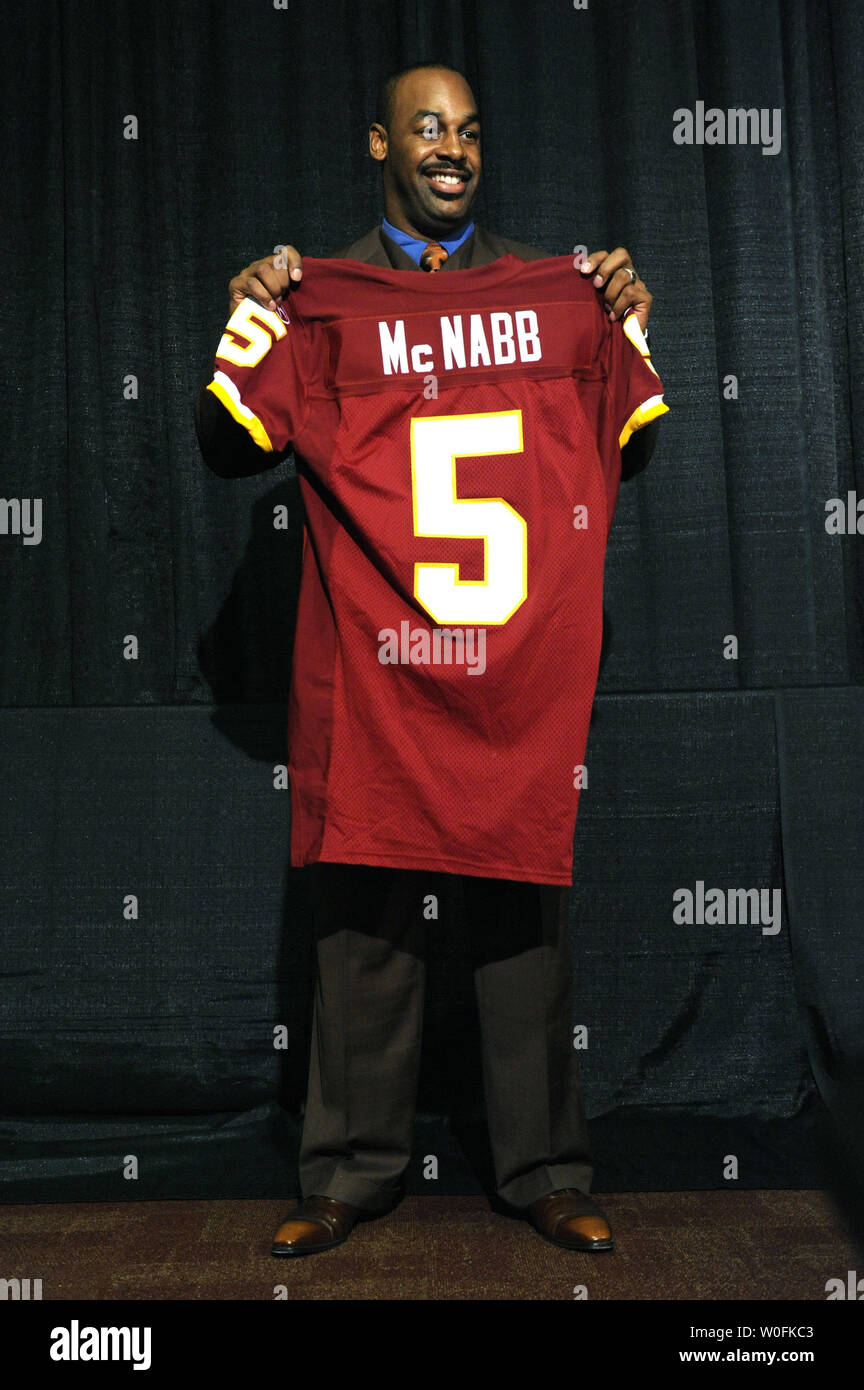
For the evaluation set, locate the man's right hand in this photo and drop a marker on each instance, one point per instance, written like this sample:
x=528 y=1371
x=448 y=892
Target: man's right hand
x=267 y=281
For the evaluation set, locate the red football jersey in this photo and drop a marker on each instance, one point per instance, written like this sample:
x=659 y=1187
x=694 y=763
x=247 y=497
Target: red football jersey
x=458 y=444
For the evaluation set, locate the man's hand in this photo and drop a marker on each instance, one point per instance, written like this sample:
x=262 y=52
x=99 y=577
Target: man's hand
x=611 y=268
x=267 y=281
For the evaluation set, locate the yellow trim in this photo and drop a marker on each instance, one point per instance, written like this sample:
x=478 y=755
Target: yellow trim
x=633 y=330
x=641 y=416
x=242 y=415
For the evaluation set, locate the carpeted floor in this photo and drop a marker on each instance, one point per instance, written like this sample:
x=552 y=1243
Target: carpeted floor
x=677 y=1246
x=669 y=1245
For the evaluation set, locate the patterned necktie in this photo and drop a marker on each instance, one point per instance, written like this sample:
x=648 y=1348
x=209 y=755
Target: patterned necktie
x=433 y=256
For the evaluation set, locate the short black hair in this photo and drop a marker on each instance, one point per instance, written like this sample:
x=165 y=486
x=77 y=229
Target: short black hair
x=387 y=91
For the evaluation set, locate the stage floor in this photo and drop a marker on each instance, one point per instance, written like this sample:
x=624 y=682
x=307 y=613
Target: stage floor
x=747 y=1245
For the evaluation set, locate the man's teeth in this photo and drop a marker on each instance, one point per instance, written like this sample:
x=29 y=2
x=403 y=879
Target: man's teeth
x=447 y=178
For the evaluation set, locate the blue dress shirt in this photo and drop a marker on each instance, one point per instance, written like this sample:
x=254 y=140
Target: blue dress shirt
x=414 y=245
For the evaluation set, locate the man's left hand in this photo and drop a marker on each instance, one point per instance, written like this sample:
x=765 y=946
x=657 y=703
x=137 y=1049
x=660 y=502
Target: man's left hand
x=612 y=270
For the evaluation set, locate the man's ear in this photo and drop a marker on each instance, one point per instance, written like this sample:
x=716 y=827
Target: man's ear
x=377 y=141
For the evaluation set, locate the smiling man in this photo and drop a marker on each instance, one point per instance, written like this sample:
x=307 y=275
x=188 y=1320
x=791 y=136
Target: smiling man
x=371 y=914
x=430 y=166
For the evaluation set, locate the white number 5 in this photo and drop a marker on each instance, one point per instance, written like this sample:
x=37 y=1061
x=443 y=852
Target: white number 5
x=250 y=334
x=437 y=441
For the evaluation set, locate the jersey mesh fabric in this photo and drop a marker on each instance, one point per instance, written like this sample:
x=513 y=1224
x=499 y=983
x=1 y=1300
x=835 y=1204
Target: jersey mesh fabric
x=424 y=763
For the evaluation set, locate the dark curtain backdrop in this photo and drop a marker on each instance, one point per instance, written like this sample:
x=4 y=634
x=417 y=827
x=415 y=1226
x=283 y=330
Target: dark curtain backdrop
x=152 y=1035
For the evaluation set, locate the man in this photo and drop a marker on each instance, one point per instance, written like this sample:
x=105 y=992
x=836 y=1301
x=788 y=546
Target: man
x=369 y=920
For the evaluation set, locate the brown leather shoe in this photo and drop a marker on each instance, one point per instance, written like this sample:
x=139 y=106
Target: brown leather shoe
x=569 y=1218
x=316 y=1223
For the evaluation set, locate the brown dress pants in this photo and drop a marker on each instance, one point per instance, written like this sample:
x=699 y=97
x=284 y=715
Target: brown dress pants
x=371 y=943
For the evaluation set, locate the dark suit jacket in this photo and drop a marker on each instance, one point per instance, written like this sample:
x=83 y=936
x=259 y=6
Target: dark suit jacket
x=227 y=447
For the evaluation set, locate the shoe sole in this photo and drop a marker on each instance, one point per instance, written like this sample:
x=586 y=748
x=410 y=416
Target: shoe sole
x=307 y=1249
x=597 y=1247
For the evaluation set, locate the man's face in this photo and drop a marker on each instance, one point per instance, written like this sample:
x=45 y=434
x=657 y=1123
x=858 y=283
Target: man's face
x=431 y=154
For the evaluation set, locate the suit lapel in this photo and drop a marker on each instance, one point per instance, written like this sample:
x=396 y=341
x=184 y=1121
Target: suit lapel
x=483 y=251
x=398 y=259
x=370 y=250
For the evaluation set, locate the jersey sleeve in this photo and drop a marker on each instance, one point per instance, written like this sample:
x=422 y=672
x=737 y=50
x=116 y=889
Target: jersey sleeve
x=634 y=391
x=261 y=373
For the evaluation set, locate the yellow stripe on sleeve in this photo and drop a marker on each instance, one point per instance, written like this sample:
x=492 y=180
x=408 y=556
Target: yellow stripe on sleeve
x=648 y=410
x=224 y=390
